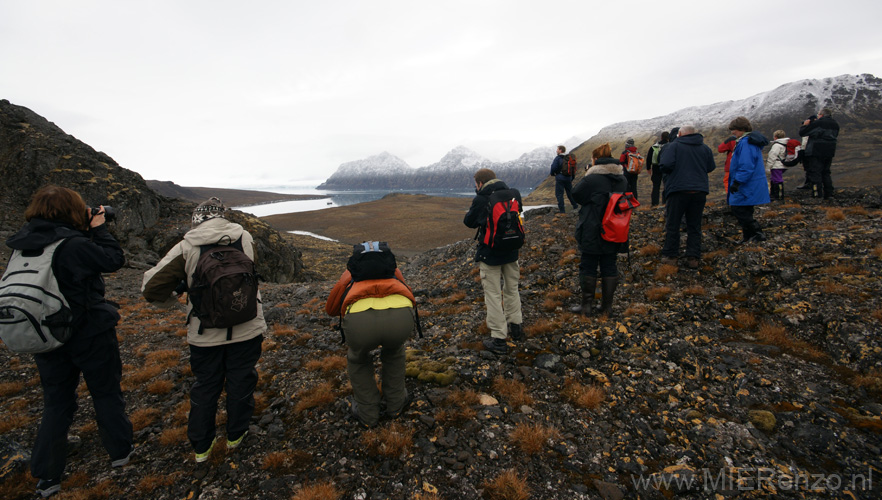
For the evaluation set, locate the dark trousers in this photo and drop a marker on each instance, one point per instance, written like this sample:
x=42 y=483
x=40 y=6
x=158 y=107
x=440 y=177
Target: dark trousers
x=561 y=187
x=817 y=171
x=749 y=225
x=632 y=183
x=690 y=205
x=97 y=358
x=230 y=367
x=656 y=185
x=606 y=261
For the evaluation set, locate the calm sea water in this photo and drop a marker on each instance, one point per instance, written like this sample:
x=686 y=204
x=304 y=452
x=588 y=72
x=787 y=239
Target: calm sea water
x=337 y=199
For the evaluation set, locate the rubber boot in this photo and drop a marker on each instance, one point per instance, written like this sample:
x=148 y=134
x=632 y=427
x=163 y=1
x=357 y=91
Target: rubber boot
x=777 y=191
x=757 y=231
x=586 y=306
x=816 y=191
x=608 y=287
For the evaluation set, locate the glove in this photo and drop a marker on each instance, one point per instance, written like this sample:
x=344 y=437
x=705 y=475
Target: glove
x=734 y=187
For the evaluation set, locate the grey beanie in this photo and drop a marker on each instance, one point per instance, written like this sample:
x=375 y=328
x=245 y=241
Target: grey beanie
x=211 y=208
x=629 y=142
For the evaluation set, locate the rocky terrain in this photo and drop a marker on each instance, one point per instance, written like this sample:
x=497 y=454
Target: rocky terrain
x=757 y=375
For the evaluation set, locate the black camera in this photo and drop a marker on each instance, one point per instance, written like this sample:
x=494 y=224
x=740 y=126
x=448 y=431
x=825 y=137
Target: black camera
x=109 y=212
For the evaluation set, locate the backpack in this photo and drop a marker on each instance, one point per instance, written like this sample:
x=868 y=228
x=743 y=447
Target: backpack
x=569 y=166
x=223 y=289
x=792 y=153
x=372 y=260
x=617 y=217
x=635 y=163
x=504 y=230
x=656 y=154
x=34 y=315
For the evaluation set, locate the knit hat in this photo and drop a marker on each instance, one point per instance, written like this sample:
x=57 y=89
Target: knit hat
x=629 y=142
x=211 y=208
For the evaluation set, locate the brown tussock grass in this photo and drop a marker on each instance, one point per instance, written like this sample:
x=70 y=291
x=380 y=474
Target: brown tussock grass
x=777 y=335
x=841 y=269
x=549 y=305
x=182 y=411
x=665 y=271
x=559 y=294
x=320 y=395
x=871 y=380
x=150 y=483
x=796 y=218
x=649 y=250
x=835 y=288
x=452 y=310
x=173 y=436
x=746 y=319
x=857 y=210
x=390 y=440
x=513 y=391
x=284 y=331
x=450 y=299
x=282 y=305
x=507 y=486
x=143 y=417
x=459 y=406
x=276 y=460
x=483 y=329
x=658 y=293
x=532 y=438
x=10 y=388
x=328 y=364
x=567 y=257
x=716 y=253
x=12 y=422
x=160 y=387
x=771 y=214
x=19 y=485
x=302 y=338
x=583 y=396
x=104 y=489
x=636 y=309
x=835 y=214
x=540 y=327
x=695 y=291
x=319 y=491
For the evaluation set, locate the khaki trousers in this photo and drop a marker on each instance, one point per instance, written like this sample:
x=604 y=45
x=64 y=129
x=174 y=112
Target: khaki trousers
x=501 y=297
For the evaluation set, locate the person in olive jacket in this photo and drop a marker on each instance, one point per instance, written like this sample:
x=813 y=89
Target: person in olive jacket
x=592 y=193
x=57 y=213
x=819 y=152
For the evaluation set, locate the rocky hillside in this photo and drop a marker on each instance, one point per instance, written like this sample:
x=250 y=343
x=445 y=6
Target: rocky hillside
x=35 y=152
x=757 y=375
x=856 y=101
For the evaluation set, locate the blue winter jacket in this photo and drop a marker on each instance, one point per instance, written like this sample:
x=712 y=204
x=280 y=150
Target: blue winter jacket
x=557 y=166
x=748 y=170
x=686 y=162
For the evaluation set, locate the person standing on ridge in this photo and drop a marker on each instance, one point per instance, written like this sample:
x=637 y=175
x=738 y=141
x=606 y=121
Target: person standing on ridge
x=653 y=156
x=563 y=183
x=500 y=271
x=775 y=165
x=686 y=163
x=747 y=178
x=623 y=161
x=728 y=147
x=57 y=213
x=819 y=152
x=221 y=358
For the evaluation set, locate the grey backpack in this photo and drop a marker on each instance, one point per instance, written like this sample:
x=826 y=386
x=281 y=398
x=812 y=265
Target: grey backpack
x=34 y=315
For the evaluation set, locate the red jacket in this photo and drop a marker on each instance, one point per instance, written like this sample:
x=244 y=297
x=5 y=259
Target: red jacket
x=363 y=290
x=727 y=147
x=623 y=160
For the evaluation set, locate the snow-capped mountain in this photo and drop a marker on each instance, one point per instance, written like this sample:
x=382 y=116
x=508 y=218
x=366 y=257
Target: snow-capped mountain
x=372 y=172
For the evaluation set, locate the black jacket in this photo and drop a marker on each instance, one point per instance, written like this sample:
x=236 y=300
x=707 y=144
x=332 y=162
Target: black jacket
x=476 y=217
x=592 y=193
x=822 y=134
x=78 y=266
x=686 y=162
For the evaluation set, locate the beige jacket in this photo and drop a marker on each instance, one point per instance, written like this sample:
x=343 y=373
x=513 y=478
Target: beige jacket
x=180 y=263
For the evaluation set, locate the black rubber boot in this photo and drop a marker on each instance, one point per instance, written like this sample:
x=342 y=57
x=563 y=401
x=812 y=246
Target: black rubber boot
x=586 y=307
x=608 y=287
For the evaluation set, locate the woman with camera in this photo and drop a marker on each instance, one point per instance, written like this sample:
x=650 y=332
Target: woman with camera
x=57 y=213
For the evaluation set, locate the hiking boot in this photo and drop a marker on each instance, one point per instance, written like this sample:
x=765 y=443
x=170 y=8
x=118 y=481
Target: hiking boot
x=693 y=262
x=496 y=346
x=232 y=445
x=357 y=415
x=124 y=460
x=202 y=457
x=586 y=306
x=670 y=261
x=48 y=487
x=516 y=332
x=408 y=399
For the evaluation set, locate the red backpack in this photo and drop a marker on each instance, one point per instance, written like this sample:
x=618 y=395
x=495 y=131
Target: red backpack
x=569 y=166
x=617 y=217
x=504 y=230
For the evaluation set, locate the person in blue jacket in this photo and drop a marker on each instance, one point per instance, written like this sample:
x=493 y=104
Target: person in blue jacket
x=747 y=178
x=562 y=183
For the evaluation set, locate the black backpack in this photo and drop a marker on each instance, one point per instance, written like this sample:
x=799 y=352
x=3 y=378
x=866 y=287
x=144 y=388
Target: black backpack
x=223 y=289
x=504 y=230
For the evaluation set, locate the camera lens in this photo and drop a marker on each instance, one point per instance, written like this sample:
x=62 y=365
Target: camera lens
x=109 y=212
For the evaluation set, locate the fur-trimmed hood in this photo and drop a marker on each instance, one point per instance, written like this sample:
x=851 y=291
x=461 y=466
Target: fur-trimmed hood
x=606 y=166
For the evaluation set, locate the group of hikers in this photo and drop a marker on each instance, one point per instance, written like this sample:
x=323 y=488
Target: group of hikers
x=214 y=265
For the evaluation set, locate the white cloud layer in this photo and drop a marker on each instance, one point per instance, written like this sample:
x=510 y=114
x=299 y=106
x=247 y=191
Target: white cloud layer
x=251 y=94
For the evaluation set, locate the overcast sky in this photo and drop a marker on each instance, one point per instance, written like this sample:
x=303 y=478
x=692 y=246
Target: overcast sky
x=266 y=93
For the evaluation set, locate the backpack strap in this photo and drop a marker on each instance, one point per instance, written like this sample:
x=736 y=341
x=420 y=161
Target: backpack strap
x=340 y=321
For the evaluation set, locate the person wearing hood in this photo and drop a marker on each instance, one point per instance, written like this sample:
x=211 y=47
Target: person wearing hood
x=822 y=135
x=727 y=147
x=623 y=160
x=686 y=162
x=747 y=178
x=652 y=163
x=500 y=271
x=775 y=166
x=603 y=177
x=57 y=213
x=221 y=358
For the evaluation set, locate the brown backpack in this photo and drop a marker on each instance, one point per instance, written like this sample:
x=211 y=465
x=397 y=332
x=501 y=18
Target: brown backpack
x=223 y=289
